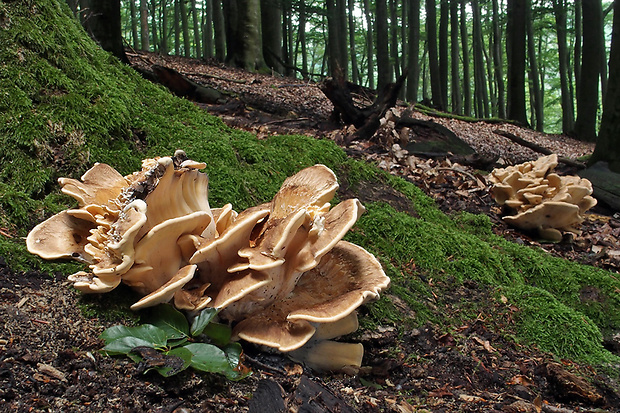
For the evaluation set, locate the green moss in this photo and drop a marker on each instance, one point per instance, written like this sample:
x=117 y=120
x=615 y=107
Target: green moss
x=65 y=104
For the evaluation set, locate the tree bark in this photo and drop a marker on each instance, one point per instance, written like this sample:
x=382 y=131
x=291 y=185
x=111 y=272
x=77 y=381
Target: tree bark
x=536 y=91
x=413 y=50
x=243 y=34
x=465 y=51
x=187 y=44
x=498 y=63
x=207 y=30
x=370 y=67
x=481 y=93
x=134 y=25
x=352 y=51
x=443 y=51
x=271 y=18
x=394 y=52
x=144 y=26
x=568 y=114
x=433 y=60
x=103 y=23
x=515 y=50
x=384 y=73
x=608 y=143
x=219 y=31
x=457 y=103
x=197 y=49
x=587 y=93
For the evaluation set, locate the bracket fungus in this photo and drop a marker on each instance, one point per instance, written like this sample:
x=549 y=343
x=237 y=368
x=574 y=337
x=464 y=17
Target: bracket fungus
x=544 y=201
x=279 y=272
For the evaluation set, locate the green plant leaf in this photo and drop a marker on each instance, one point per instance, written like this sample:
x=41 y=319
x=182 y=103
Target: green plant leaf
x=207 y=357
x=202 y=320
x=236 y=371
x=154 y=336
x=124 y=345
x=219 y=333
x=172 y=321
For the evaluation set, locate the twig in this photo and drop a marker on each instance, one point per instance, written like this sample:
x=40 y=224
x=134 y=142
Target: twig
x=264 y=366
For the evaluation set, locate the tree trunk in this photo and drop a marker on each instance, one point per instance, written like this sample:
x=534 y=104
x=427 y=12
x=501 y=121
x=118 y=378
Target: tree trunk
x=370 y=68
x=219 y=31
x=197 y=49
x=334 y=31
x=394 y=53
x=243 y=34
x=587 y=93
x=457 y=104
x=413 y=50
x=498 y=64
x=608 y=143
x=302 y=38
x=352 y=51
x=177 y=29
x=271 y=18
x=134 y=25
x=164 y=27
x=144 y=25
x=207 y=29
x=443 y=51
x=536 y=94
x=568 y=114
x=578 y=22
x=384 y=74
x=187 y=44
x=465 y=51
x=154 y=27
x=481 y=93
x=103 y=23
x=433 y=61
x=515 y=50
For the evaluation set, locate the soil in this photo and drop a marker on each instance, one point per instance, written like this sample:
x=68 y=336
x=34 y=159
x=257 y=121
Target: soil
x=49 y=347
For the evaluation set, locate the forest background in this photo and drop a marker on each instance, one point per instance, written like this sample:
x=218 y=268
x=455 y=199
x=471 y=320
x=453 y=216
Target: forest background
x=539 y=62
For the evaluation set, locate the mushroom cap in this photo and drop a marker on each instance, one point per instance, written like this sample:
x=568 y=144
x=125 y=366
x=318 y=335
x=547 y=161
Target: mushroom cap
x=546 y=215
x=327 y=355
x=89 y=283
x=98 y=185
x=165 y=293
x=345 y=278
x=64 y=235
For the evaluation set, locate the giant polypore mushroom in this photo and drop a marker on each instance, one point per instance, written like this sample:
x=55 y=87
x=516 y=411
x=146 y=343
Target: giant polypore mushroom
x=540 y=199
x=279 y=272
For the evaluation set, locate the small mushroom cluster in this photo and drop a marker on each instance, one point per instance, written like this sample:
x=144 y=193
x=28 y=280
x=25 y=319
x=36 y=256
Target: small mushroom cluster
x=279 y=272
x=543 y=201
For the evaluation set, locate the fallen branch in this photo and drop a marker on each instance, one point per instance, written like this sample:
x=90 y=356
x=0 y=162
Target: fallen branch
x=537 y=148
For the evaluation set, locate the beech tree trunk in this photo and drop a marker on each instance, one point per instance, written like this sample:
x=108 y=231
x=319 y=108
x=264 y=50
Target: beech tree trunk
x=536 y=96
x=481 y=93
x=498 y=63
x=608 y=143
x=103 y=23
x=457 y=104
x=587 y=93
x=144 y=25
x=413 y=49
x=515 y=50
x=465 y=50
x=433 y=60
x=568 y=114
x=271 y=16
x=384 y=73
x=443 y=51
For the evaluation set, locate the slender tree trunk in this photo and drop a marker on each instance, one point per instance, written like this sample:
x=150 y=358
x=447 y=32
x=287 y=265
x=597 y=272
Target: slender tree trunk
x=443 y=51
x=536 y=95
x=457 y=104
x=587 y=93
x=197 y=49
x=481 y=93
x=207 y=29
x=134 y=25
x=154 y=27
x=384 y=73
x=394 y=52
x=187 y=44
x=271 y=16
x=302 y=38
x=369 y=45
x=164 y=28
x=465 y=50
x=578 y=26
x=431 y=38
x=413 y=50
x=608 y=142
x=243 y=34
x=498 y=64
x=341 y=8
x=144 y=26
x=568 y=114
x=352 y=51
x=177 y=29
x=219 y=31
x=516 y=52
x=103 y=23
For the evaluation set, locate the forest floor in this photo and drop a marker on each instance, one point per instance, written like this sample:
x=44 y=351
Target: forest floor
x=46 y=365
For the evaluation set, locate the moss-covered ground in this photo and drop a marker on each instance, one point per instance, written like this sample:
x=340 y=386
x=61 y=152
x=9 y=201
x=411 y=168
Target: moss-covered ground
x=65 y=104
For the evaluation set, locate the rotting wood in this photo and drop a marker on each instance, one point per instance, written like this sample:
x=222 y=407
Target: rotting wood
x=537 y=148
x=183 y=87
x=366 y=119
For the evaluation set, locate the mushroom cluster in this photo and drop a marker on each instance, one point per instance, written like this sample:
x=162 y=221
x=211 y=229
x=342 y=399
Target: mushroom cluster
x=279 y=272
x=543 y=200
